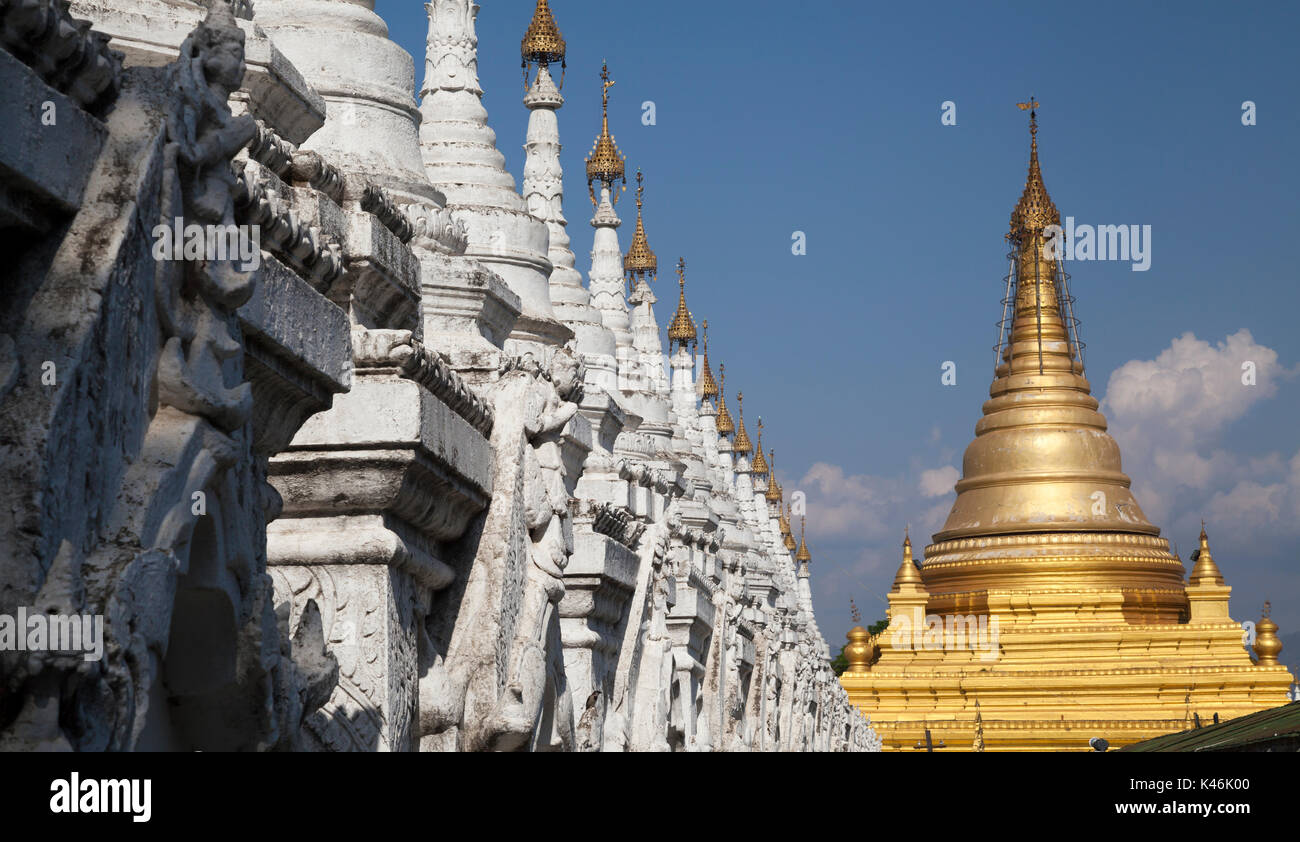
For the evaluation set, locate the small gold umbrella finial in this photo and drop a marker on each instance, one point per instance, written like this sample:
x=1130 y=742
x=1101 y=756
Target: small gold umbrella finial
x=723 y=422
x=542 y=44
x=803 y=555
x=708 y=386
x=605 y=164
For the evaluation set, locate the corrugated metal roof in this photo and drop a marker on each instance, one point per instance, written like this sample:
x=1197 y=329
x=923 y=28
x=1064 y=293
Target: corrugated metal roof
x=1239 y=733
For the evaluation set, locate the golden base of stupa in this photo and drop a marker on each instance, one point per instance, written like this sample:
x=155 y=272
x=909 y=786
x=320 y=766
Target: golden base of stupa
x=1051 y=684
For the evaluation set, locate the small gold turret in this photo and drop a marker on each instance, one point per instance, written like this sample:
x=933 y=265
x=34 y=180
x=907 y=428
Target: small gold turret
x=908 y=573
x=723 y=422
x=803 y=555
x=1267 y=645
x=742 y=443
x=708 y=386
x=681 y=330
x=859 y=649
x=605 y=163
x=773 y=494
x=542 y=44
x=1205 y=571
x=786 y=530
x=978 y=744
x=1207 y=593
x=640 y=260
x=759 y=466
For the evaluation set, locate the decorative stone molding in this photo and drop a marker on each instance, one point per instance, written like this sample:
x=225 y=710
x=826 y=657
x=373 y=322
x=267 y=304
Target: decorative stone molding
x=63 y=50
x=308 y=167
x=374 y=199
x=271 y=151
x=383 y=349
x=301 y=247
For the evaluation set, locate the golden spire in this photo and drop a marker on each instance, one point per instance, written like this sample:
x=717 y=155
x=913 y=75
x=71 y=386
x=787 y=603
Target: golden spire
x=786 y=530
x=542 y=44
x=1267 y=645
x=1041 y=460
x=759 y=465
x=1205 y=571
x=978 y=744
x=741 y=444
x=908 y=574
x=803 y=554
x=605 y=163
x=681 y=329
x=773 y=494
x=723 y=422
x=1035 y=210
x=708 y=386
x=640 y=260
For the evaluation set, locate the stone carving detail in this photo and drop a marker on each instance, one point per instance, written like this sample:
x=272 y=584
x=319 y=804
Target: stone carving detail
x=437 y=230
x=398 y=348
x=308 y=167
x=154 y=580
x=271 y=151
x=63 y=50
x=375 y=199
x=503 y=684
x=301 y=247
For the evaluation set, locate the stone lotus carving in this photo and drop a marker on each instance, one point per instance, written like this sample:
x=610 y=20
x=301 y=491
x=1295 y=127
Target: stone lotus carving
x=437 y=230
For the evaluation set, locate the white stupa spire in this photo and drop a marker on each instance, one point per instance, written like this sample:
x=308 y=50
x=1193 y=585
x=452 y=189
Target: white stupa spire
x=544 y=196
x=462 y=160
x=606 y=167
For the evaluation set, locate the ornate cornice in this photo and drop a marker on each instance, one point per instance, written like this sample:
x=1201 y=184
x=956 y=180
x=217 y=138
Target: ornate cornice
x=379 y=349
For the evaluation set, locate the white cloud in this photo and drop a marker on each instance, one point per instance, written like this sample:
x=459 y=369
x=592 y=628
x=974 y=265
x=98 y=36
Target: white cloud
x=1170 y=415
x=939 y=481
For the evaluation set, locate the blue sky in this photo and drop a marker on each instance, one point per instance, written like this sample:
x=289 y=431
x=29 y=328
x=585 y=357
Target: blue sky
x=824 y=118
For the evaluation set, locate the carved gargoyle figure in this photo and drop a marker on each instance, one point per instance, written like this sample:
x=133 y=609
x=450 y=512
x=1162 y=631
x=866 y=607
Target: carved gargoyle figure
x=196 y=299
x=502 y=683
x=651 y=701
x=537 y=661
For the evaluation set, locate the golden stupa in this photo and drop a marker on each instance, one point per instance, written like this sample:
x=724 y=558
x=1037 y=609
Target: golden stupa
x=1049 y=610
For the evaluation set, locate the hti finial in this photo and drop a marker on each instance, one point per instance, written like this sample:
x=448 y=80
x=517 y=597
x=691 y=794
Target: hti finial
x=543 y=43
x=605 y=164
x=682 y=328
x=855 y=613
x=1268 y=609
x=605 y=84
